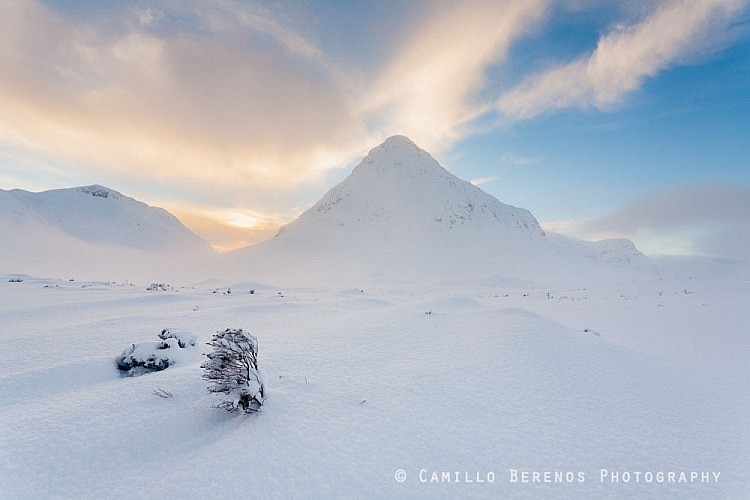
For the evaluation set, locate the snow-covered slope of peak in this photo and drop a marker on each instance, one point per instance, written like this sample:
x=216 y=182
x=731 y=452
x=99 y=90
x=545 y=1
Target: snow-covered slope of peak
x=400 y=191
x=97 y=214
x=14 y=212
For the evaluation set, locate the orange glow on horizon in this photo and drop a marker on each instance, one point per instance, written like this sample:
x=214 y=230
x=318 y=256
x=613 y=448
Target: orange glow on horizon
x=229 y=229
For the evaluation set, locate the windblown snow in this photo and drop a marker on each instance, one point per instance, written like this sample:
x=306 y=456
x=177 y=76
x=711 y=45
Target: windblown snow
x=418 y=338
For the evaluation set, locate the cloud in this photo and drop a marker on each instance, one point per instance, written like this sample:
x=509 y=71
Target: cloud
x=229 y=229
x=702 y=203
x=188 y=107
x=479 y=181
x=708 y=219
x=233 y=94
x=147 y=15
x=430 y=89
x=518 y=161
x=566 y=226
x=675 y=32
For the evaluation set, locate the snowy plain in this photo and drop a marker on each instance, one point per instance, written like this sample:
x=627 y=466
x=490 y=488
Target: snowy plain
x=473 y=379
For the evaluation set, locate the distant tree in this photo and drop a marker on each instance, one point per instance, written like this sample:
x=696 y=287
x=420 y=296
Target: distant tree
x=232 y=370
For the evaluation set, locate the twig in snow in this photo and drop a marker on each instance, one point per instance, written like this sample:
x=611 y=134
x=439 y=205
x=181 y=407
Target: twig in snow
x=162 y=393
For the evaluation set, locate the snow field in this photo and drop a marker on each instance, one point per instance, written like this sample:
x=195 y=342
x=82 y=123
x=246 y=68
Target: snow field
x=366 y=382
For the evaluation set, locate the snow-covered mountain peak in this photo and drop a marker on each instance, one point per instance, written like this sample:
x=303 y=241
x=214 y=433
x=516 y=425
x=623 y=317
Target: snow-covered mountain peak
x=401 y=215
x=398 y=145
x=399 y=159
x=399 y=212
x=400 y=190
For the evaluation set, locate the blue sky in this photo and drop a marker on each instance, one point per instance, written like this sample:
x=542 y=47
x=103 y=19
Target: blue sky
x=604 y=119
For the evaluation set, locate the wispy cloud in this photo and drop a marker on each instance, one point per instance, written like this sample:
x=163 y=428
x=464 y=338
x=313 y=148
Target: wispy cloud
x=512 y=159
x=709 y=219
x=429 y=90
x=240 y=97
x=674 y=32
x=179 y=107
x=479 y=181
x=507 y=161
x=147 y=15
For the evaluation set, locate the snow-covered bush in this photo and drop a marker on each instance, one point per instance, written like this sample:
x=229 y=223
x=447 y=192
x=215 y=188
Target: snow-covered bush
x=184 y=339
x=146 y=357
x=232 y=370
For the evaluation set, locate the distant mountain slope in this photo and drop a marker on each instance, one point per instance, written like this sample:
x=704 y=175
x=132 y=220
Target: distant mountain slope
x=15 y=213
x=92 y=231
x=97 y=214
x=617 y=251
x=400 y=214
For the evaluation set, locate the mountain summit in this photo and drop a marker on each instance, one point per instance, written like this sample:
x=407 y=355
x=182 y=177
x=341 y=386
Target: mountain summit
x=401 y=193
x=399 y=214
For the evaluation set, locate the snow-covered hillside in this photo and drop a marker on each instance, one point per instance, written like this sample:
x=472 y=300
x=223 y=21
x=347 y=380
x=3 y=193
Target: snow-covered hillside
x=100 y=215
x=91 y=231
x=401 y=215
